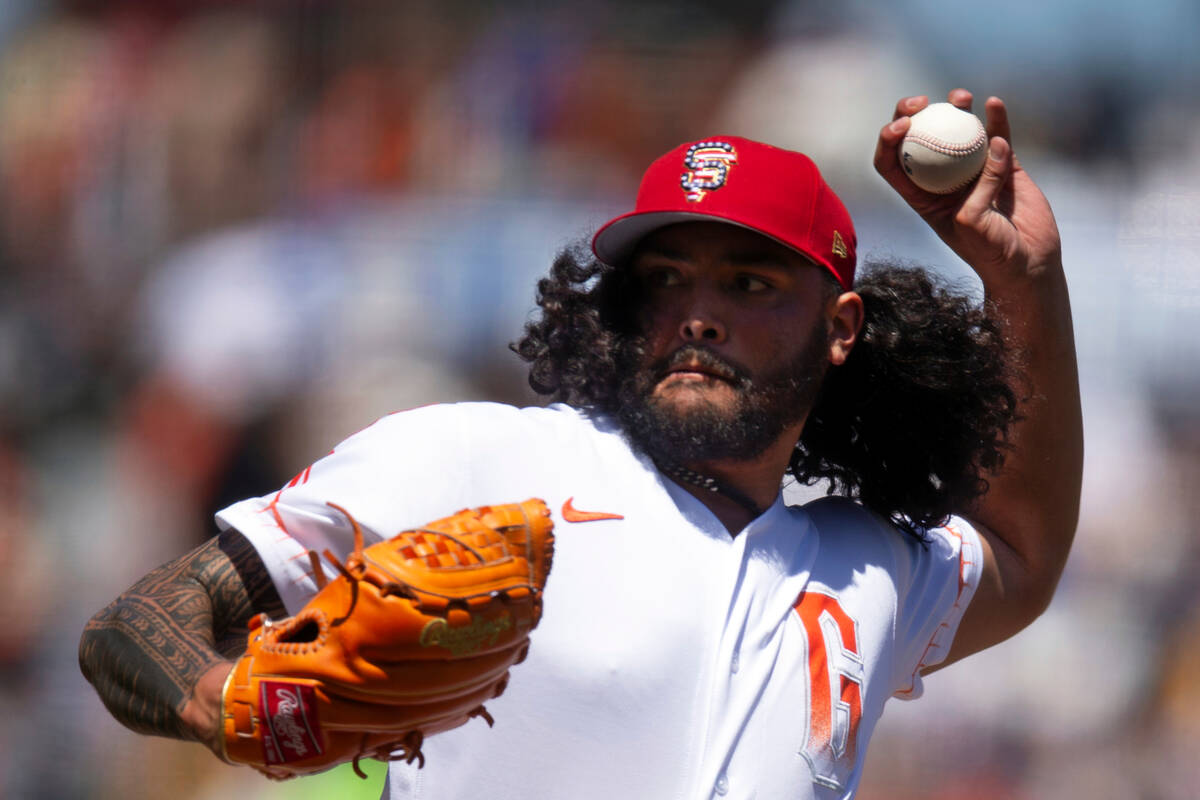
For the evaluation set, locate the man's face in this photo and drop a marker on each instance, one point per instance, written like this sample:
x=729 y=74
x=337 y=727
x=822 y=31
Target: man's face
x=736 y=343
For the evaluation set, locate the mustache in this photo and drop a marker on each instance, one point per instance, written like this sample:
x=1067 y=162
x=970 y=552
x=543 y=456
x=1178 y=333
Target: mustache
x=706 y=359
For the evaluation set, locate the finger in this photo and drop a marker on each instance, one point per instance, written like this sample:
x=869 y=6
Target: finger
x=909 y=106
x=991 y=181
x=887 y=160
x=997 y=119
x=961 y=98
x=887 y=157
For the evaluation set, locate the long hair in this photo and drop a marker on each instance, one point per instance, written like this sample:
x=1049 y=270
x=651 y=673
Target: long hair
x=910 y=425
x=585 y=339
x=918 y=415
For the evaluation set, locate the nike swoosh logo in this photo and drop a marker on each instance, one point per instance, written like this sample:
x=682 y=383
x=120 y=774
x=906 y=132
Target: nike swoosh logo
x=571 y=514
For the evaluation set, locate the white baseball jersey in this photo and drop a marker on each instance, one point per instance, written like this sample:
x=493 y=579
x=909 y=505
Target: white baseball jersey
x=673 y=660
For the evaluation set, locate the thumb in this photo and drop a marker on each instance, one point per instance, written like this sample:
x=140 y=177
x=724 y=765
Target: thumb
x=996 y=171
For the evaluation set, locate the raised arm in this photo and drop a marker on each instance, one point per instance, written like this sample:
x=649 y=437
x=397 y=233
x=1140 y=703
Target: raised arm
x=158 y=654
x=1004 y=229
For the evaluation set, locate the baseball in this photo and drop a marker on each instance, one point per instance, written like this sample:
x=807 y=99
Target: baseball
x=944 y=149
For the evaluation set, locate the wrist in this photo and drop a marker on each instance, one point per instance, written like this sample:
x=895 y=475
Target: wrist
x=1041 y=279
x=202 y=713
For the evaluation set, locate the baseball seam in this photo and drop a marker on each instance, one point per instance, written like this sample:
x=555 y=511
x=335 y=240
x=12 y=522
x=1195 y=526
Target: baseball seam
x=944 y=147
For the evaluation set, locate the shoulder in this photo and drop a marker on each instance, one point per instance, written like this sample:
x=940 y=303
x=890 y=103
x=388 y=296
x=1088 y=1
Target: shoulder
x=857 y=545
x=846 y=518
x=473 y=418
x=856 y=533
x=843 y=523
x=488 y=413
x=843 y=513
x=480 y=429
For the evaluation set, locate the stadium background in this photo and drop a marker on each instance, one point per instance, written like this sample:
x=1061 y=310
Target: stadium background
x=233 y=233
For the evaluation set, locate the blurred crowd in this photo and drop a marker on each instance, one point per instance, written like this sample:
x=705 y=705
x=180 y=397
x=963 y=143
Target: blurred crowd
x=231 y=234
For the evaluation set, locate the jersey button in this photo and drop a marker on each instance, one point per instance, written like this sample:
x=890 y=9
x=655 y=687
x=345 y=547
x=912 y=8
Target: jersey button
x=735 y=663
x=722 y=784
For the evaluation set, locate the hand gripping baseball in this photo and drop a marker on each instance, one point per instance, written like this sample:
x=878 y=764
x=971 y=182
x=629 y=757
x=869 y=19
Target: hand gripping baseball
x=413 y=637
x=1002 y=225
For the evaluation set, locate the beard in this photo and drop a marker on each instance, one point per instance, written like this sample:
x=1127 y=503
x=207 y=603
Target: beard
x=762 y=409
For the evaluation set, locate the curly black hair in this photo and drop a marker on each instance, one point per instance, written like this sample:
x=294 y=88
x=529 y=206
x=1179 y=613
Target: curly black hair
x=910 y=425
x=586 y=338
x=919 y=414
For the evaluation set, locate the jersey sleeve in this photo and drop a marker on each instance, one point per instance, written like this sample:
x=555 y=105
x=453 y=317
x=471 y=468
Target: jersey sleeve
x=941 y=580
x=400 y=472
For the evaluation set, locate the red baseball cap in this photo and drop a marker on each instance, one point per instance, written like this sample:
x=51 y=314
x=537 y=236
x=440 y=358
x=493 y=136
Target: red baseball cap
x=778 y=193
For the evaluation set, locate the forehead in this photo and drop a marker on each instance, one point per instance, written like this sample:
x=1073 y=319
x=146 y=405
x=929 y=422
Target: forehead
x=716 y=241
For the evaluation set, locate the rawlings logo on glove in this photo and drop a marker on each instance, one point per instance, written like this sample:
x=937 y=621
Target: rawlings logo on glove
x=291 y=722
x=465 y=640
x=412 y=638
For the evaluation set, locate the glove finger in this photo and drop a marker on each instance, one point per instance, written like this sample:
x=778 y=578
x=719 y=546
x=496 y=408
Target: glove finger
x=411 y=682
x=438 y=715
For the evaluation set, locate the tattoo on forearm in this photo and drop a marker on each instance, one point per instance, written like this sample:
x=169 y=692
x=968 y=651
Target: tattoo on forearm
x=147 y=649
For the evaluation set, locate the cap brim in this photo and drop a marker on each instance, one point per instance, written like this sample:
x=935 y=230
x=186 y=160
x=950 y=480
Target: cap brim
x=614 y=243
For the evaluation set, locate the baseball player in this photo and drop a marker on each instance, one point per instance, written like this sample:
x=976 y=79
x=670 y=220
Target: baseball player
x=700 y=638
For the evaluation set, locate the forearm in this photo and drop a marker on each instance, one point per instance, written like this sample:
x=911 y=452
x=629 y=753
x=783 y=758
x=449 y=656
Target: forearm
x=146 y=652
x=143 y=662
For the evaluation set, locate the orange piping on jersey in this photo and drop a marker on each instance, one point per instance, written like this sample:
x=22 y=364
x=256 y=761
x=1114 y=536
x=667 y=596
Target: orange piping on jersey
x=963 y=562
x=299 y=479
x=272 y=507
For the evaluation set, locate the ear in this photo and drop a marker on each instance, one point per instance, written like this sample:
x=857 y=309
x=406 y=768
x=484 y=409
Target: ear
x=844 y=315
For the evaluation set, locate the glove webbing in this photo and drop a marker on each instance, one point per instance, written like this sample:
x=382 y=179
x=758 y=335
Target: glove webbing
x=354 y=568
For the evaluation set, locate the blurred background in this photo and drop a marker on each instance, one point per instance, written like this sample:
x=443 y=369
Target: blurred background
x=232 y=233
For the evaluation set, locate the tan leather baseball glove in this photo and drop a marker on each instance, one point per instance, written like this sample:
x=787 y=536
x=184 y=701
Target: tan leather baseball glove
x=413 y=637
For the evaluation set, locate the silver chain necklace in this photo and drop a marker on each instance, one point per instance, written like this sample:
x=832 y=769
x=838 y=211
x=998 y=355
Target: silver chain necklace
x=708 y=483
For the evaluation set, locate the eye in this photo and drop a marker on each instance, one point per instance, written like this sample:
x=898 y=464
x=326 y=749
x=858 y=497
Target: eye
x=661 y=277
x=751 y=283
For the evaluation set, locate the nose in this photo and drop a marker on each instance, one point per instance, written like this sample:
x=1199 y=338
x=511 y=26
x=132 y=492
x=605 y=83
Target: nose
x=699 y=327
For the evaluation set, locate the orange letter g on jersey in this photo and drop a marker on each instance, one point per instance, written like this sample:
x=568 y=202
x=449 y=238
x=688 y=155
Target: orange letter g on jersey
x=835 y=674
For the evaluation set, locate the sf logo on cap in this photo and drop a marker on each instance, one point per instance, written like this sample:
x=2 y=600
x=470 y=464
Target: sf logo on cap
x=708 y=165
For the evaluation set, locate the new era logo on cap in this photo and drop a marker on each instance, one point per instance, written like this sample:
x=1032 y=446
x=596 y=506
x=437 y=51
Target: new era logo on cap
x=778 y=193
